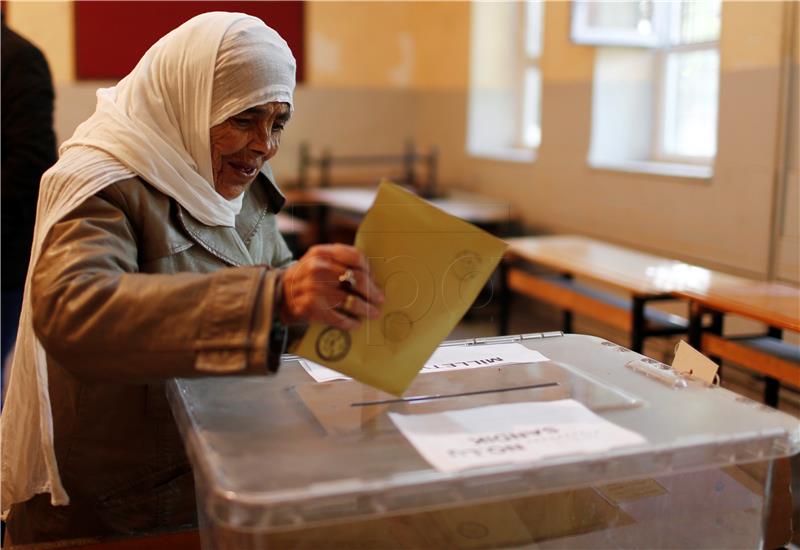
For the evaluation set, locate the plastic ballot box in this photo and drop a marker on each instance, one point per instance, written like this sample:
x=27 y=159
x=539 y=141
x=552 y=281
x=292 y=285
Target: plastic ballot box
x=289 y=462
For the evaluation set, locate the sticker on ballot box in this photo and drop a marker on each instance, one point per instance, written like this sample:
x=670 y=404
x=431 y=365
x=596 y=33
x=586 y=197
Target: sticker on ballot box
x=517 y=432
x=449 y=358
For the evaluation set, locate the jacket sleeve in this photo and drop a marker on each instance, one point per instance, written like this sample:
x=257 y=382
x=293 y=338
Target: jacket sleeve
x=98 y=317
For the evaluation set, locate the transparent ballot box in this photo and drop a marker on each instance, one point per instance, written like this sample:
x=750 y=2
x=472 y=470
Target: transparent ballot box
x=288 y=462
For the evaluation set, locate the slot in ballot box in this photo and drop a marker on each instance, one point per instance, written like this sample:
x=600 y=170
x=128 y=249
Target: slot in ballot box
x=287 y=462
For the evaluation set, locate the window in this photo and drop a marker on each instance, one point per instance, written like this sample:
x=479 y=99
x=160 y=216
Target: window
x=688 y=95
x=617 y=23
x=656 y=84
x=504 y=111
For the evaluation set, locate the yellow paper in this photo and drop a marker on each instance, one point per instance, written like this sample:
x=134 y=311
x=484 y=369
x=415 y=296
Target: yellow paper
x=430 y=266
x=690 y=362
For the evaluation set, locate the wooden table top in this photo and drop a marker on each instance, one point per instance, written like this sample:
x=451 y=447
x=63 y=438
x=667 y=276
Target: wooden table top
x=466 y=206
x=630 y=271
x=776 y=304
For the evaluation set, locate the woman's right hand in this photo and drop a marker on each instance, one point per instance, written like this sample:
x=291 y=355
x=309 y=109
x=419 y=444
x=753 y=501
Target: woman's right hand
x=314 y=292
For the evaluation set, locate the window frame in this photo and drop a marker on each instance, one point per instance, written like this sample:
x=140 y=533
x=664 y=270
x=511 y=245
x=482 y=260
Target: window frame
x=516 y=148
x=583 y=33
x=661 y=99
x=664 y=43
x=671 y=46
x=527 y=61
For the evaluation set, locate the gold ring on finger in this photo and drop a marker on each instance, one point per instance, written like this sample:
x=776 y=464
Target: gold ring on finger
x=348 y=303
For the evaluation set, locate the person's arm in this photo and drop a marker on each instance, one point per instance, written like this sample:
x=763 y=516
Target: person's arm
x=100 y=318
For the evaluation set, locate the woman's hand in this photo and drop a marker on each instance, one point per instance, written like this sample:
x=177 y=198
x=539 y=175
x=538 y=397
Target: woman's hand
x=317 y=288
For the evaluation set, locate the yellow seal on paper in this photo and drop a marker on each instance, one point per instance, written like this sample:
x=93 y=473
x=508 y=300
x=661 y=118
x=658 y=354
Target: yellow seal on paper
x=333 y=344
x=397 y=326
x=466 y=265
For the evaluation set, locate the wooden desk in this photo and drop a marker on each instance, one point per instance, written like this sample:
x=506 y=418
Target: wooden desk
x=487 y=213
x=639 y=276
x=774 y=304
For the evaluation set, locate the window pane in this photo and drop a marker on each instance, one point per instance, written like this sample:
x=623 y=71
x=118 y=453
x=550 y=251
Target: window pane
x=533 y=28
x=617 y=15
x=531 y=108
x=622 y=105
x=494 y=117
x=700 y=21
x=692 y=83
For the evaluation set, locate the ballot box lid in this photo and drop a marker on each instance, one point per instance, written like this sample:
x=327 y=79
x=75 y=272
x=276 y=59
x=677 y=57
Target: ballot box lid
x=285 y=451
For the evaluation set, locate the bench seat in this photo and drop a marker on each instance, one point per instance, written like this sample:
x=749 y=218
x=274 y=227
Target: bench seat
x=766 y=355
x=576 y=297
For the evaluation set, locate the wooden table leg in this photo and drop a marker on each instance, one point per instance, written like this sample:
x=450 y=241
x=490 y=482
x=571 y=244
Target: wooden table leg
x=566 y=315
x=695 y=325
x=775 y=332
x=772 y=386
x=716 y=328
x=637 y=324
x=323 y=224
x=505 y=300
x=771 y=391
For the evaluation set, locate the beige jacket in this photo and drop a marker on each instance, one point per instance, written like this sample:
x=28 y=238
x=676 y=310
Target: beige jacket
x=130 y=290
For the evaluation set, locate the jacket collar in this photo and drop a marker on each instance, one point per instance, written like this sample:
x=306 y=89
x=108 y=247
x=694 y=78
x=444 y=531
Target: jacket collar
x=228 y=243
x=262 y=198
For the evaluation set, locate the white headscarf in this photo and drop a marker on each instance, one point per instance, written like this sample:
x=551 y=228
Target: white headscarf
x=155 y=124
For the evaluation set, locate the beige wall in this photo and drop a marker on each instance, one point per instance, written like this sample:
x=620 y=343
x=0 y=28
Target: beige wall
x=394 y=45
x=722 y=222
x=379 y=72
x=49 y=25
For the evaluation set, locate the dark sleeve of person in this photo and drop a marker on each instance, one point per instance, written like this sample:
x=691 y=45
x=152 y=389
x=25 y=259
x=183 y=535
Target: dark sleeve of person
x=28 y=147
x=101 y=319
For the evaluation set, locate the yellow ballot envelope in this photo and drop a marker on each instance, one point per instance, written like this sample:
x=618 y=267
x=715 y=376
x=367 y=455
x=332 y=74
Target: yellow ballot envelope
x=431 y=266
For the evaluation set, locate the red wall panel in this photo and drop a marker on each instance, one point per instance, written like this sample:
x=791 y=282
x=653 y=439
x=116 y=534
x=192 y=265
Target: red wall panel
x=110 y=37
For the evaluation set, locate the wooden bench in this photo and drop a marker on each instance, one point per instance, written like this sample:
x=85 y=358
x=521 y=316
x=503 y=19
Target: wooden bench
x=635 y=279
x=625 y=280
x=774 y=304
x=576 y=298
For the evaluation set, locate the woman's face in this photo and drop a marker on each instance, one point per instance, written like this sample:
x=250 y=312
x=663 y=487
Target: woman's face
x=243 y=143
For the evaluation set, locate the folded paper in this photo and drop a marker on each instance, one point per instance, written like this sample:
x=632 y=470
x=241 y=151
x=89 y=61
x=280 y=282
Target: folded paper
x=690 y=362
x=431 y=267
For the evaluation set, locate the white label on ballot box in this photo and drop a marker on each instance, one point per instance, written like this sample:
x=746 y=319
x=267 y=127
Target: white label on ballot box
x=450 y=358
x=514 y=432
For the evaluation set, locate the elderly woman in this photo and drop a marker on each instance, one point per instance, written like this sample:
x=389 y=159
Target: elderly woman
x=156 y=255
